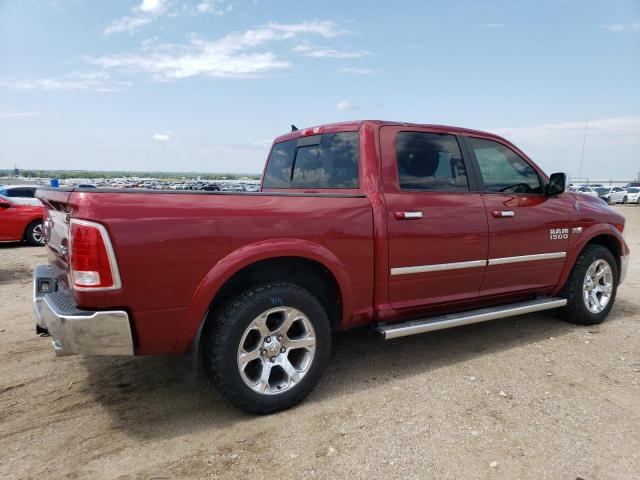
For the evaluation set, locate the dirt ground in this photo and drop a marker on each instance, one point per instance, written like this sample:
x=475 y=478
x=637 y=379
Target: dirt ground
x=524 y=397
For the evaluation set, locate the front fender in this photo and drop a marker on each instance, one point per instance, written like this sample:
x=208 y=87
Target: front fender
x=587 y=235
x=247 y=255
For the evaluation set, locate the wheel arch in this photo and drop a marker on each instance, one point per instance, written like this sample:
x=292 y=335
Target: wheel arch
x=28 y=224
x=309 y=264
x=603 y=234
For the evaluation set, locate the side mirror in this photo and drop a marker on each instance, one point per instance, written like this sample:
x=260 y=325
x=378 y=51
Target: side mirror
x=557 y=183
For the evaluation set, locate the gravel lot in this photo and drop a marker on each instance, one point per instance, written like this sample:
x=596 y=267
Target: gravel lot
x=526 y=397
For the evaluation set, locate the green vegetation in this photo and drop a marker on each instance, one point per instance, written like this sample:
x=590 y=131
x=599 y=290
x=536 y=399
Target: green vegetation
x=65 y=174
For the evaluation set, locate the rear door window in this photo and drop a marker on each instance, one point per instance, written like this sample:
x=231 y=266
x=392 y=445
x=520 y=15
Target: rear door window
x=430 y=161
x=320 y=161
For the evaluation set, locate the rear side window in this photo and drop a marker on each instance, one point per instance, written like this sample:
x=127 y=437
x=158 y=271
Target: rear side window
x=20 y=192
x=430 y=161
x=320 y=161
x=503 y=170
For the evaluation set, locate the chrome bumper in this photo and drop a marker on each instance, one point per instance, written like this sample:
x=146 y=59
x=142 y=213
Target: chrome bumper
x=624 y=266
x=77 y=331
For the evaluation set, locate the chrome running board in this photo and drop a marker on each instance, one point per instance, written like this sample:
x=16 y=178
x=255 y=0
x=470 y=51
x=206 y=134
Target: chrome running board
x=413 y=327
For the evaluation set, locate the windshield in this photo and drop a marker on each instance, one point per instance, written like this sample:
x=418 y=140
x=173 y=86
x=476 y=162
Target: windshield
x=21 y=200
x=633 y=190
x=601 y=190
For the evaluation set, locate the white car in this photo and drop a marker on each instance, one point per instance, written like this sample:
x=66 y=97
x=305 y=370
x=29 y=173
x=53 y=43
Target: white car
x=587 y=191
x=612 y=194
x=633 y=195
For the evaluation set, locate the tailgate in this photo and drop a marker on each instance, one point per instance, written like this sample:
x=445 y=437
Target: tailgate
x=56 y=225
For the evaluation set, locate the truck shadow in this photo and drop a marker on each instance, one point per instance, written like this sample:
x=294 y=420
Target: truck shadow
x=147 y=397
x=10 y=245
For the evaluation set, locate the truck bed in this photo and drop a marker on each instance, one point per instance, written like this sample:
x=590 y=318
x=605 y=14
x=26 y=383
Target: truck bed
x=168 y=242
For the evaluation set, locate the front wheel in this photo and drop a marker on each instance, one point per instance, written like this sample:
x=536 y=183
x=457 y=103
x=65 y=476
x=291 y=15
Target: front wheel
x=267 y=349
x=34 y=234
x=591 y=287
x=625 y=200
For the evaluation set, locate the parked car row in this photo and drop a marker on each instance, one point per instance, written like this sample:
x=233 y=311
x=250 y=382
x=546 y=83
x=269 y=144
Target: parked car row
x=223 y=185
x=611 y=195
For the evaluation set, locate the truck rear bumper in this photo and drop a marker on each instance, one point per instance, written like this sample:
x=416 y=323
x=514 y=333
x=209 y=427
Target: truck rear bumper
x=76 y=331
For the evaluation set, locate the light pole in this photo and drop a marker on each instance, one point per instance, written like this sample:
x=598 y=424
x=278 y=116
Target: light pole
x=584 y=141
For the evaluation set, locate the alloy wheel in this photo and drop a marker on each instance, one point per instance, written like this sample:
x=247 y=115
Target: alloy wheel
x=276 y=350
x=36 y=233
x=597 y=286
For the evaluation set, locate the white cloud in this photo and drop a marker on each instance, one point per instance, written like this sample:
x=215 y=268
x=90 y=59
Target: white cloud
x=161 y=137
x=214 y=6
x=610 y=147
x=346 y=106
x=96 y=81
x=127 y=24
x=621 y=27
x=355 y=70
x=143 y=14
x=151 y=5
x=231 y=56
x=19 y=114
x=150 y=10
x=322 y=52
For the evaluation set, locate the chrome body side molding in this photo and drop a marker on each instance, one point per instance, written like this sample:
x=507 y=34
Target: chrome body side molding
x=527 y=258
x=475 y=263
x=438 y=267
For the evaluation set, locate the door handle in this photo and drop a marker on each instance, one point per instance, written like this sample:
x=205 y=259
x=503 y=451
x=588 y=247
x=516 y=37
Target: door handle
x=402 y=215
x=503 y=213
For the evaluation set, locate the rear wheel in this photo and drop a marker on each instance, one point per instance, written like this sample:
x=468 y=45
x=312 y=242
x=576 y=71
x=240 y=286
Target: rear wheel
x=267 y=349
x=591 y=287
x=34 y=234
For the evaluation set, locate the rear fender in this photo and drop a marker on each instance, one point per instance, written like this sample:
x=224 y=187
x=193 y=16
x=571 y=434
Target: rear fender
x=587 y=235
x=248 y=255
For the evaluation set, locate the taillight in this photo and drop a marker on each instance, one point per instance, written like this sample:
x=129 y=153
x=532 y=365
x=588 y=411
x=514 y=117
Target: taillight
x=312 y=131
x=93 y=263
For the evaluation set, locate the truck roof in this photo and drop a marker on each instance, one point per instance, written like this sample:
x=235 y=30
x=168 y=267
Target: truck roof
x=356 y=124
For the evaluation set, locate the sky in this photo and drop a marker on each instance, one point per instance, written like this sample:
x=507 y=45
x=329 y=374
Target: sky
x=206 y=85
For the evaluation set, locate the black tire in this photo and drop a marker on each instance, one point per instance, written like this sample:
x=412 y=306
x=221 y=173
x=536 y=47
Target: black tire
x=576 y=311
x=223 y=333
x=34 y=235
x=609 y=202
x=625 y=200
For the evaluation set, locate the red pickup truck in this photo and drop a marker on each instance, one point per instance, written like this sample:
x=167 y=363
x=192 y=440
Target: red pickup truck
x=402 y=227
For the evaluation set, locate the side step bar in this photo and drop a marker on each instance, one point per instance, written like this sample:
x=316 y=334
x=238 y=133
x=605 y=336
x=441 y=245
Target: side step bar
x=413 y=327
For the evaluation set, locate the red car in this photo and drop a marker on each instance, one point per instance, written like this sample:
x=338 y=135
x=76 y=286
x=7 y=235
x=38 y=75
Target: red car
x=402 y=227
x=21 y=219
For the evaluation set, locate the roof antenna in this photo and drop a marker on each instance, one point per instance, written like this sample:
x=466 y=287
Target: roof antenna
x=294 y=128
